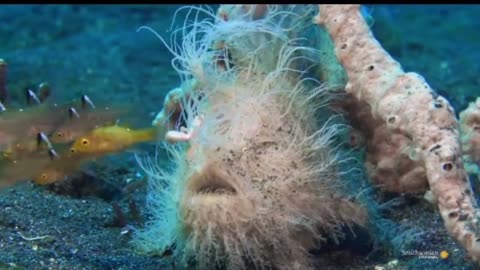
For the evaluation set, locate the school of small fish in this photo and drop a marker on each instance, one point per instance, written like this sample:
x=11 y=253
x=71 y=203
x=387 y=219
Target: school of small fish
x=47 y=142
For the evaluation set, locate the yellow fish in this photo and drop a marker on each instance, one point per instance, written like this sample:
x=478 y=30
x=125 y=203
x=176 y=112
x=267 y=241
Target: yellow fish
x=99 y=142
x=111 y=139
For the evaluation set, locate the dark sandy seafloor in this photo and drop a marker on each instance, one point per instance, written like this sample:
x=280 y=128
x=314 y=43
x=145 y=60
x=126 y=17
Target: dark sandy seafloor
x=95 y=50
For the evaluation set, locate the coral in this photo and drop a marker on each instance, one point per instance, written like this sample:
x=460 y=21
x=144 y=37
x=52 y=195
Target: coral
x=256 y=183
x=408 y=113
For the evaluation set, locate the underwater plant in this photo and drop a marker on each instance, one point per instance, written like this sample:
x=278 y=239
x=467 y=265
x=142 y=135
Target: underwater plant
x=256 y=181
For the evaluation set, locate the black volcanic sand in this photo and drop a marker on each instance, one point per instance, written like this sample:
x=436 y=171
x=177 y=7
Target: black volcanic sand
x=73 y=225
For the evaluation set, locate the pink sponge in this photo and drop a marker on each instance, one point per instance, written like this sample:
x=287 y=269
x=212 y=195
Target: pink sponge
x=404 y=105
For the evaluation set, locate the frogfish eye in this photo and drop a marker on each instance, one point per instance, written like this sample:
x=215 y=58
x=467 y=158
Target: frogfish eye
x=85 y=141
x=59 y=134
